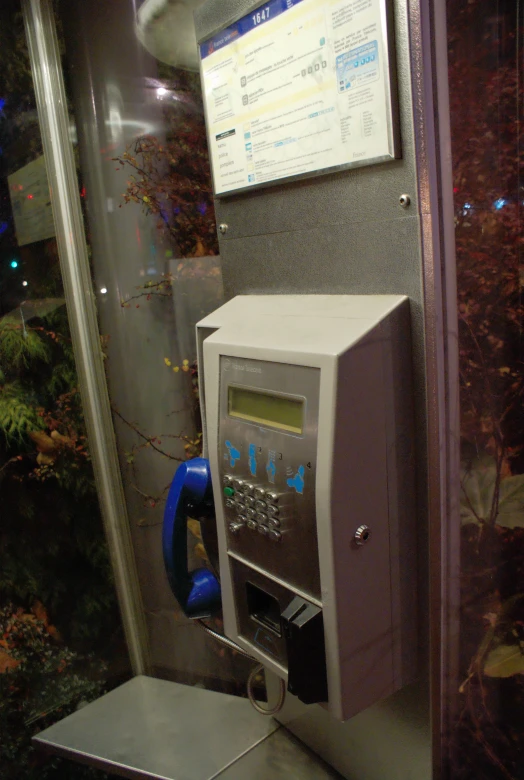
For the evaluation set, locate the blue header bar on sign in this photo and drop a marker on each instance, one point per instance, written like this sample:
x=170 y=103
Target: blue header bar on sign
x=251 y=21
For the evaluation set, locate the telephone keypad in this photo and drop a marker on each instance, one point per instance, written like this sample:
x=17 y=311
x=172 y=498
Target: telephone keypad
x=253 y=506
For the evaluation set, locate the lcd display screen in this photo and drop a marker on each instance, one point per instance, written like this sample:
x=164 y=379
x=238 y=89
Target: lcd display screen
x=263 y=408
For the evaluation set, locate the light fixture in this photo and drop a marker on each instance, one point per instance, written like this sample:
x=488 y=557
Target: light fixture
x=24 y=283
x=14 y=263
x=161 y=91
x=103 y=290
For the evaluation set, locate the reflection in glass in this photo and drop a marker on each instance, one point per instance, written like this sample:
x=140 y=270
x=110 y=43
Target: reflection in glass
x=485 y=76
x=61 y=643
x=155 y=251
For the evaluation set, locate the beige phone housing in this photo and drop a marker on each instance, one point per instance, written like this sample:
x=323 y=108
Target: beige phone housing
x=308 y=426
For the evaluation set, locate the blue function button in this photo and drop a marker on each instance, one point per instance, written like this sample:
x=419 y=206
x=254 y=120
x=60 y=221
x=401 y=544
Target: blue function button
x=233 y=453
x=297 y=482
x=271 y=468
x=252 y=459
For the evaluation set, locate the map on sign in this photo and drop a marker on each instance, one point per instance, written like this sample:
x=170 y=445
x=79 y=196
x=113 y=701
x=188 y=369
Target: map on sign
x=297 y=87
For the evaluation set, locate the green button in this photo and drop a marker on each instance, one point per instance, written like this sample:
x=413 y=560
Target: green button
x=229 y=492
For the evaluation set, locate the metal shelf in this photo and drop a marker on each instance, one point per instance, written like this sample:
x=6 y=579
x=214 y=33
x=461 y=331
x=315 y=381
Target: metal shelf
x=150 y=728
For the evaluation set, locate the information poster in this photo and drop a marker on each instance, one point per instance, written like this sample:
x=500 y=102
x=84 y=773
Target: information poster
x=297 y=87
x=31 y=203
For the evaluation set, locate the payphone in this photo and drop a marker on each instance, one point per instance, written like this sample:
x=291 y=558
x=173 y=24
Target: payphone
x=308 y=442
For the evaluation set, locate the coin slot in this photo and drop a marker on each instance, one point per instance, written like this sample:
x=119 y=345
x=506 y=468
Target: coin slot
x=263 y=608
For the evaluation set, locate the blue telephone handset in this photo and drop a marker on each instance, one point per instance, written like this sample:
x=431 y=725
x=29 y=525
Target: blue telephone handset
x=198 y=591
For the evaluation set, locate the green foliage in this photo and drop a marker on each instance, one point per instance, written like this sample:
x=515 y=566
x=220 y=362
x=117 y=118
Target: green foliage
x=20 y=347
x=52 y=547
x=504 y=661
x=18 y=414
x=486 y=498
x=41 y=681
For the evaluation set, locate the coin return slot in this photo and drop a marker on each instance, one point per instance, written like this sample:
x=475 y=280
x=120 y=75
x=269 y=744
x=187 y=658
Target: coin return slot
x=263 y=608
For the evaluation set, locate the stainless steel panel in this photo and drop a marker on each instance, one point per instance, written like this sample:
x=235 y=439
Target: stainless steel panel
x=280 y=757
x=261 y=637
x=388 y=741
x=366 y=194
x=158 y=729
x=347 y=233
x=276 y=461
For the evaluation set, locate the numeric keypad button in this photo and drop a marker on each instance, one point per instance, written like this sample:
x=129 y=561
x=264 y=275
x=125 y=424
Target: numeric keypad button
x=260 y=506
x=260 y=493
x=250 y=501
x=274 y=522
x=273 y=510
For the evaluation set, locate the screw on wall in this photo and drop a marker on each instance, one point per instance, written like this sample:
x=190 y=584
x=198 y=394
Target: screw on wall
x=404 y=200
x=223 y=228
x=362 y=535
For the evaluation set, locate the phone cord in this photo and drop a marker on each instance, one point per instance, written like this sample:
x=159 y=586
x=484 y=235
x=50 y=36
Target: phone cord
x=251 y=679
